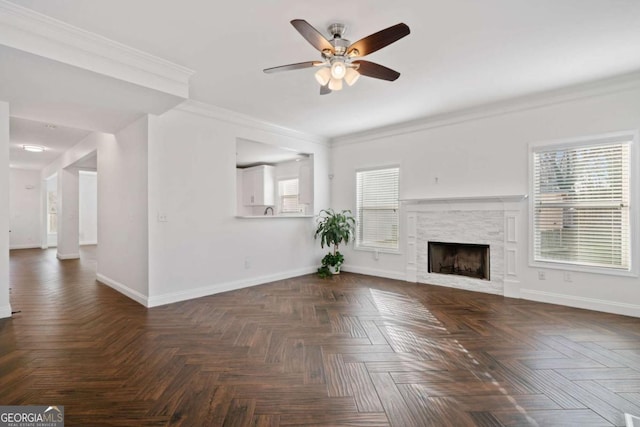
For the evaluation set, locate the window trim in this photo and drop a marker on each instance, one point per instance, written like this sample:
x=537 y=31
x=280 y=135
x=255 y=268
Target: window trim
x=630 y=136
x=376 y=250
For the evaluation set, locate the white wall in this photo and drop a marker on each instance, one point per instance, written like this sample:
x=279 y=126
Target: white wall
x=5 y=306
x=88 y=208
x=24 y=204
x=203 y=248
x=122 y=211
x=489 y=156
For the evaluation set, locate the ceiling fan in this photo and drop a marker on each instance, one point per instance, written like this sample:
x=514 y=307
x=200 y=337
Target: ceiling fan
x=340 y=57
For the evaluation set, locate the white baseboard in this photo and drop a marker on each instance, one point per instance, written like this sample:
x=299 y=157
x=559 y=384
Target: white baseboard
x=172 y=297
x=511 y=288
x=5 y=311
x=582 y=302
x=123 y=289
x=90 y=242
x=68 y=256
x=388 y=274
x=25 y=246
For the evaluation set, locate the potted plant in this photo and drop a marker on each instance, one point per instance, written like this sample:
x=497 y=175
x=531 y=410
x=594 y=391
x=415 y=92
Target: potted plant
x=333 y=228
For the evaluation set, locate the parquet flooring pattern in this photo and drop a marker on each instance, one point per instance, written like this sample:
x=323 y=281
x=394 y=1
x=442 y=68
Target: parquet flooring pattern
x=352 y=350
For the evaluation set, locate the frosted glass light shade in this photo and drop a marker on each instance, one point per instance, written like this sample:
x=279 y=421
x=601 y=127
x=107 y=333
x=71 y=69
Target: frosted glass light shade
x=33 y=148
x=338 y=69
x=323 y=75
x=335 y=84
x=351 y=76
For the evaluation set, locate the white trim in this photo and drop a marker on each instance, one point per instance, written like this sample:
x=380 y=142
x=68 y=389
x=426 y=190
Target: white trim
x=89 y=242
x=67 y=256
x=467 y=199
x=163 y=299
x=27 y=30
x=211 y=111
x=388 y=274
x=5 y=311
x=581 y=302
x=629 y=420
x=123 y=289
x=511 y=288
x=25 y=246
x=602 y=87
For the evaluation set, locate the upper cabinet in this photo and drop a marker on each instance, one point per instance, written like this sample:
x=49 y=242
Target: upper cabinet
x=258 y=186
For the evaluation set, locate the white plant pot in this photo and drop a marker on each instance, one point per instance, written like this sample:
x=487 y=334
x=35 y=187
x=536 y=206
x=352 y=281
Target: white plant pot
x=334 y=269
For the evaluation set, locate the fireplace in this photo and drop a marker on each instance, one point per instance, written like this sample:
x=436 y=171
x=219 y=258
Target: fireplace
x=462 y=259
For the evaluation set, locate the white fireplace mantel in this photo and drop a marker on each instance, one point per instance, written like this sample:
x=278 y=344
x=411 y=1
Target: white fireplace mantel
x=510 y=198
x=490 y=219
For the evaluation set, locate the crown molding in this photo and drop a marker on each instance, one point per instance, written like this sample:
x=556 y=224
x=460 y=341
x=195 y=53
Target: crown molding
x=620 y=83
x=29 y=31
x=218 y=113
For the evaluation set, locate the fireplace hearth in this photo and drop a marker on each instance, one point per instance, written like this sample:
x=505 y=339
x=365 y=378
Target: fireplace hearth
x=462 y=259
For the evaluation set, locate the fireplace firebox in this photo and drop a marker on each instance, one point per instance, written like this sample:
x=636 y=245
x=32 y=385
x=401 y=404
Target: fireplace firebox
x=462 y=259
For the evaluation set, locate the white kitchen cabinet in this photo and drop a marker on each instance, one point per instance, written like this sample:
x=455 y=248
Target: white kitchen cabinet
x=258 y=186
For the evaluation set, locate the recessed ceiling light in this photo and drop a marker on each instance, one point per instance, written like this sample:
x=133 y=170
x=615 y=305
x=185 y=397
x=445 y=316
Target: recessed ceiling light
x=33 y=148
x=50 y=126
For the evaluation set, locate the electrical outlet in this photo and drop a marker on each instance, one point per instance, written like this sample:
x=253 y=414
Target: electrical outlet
x=542 y=275
x=567 y=277
x=162 y=217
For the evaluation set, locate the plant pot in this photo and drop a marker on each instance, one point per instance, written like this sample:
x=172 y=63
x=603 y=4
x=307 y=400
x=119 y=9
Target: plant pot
x=334 y=269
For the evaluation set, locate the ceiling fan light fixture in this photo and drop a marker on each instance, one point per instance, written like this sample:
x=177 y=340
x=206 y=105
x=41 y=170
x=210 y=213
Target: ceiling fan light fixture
x=351 y=76
x=335 y=84
x=323 y=75
x=338 y=70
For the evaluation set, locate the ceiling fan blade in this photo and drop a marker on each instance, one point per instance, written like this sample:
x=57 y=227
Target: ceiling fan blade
x=324 y=90
x=377 y=71
x=378 y=40
x=290 y=67
x=312 y=35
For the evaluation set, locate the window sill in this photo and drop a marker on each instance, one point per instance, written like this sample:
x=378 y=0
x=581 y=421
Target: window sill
x=378 y=250
x=582 y=268
x=273 y=216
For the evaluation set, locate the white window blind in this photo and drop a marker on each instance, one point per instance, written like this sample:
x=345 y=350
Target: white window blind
x=581 y=205
x=377 y=208
x=288 y=191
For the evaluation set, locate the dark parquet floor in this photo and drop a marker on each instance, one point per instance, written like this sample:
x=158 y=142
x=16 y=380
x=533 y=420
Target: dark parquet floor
x=354 y=350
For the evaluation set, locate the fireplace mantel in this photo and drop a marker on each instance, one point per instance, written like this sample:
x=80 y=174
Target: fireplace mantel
x=510 y=198
x=483 y=219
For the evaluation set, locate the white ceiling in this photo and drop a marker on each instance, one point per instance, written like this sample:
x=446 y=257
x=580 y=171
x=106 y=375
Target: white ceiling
x=30 y=132
x=460 y=53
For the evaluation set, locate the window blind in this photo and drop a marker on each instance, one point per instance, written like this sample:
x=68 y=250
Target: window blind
x=288 y=191
x=377 y=208
x=581 y=205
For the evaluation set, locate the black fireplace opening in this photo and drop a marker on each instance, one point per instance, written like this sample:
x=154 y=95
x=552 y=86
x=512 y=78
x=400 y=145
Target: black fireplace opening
x=462 y=259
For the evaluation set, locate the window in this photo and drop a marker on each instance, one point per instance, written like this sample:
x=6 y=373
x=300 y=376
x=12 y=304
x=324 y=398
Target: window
x=377 y=208
x=289 y=196
x=581 y=203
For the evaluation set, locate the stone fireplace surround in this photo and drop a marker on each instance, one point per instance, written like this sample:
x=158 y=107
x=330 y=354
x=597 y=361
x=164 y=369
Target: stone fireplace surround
x=489 y=220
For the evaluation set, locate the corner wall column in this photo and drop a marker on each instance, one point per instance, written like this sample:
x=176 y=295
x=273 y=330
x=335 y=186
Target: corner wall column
x=68 y=213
